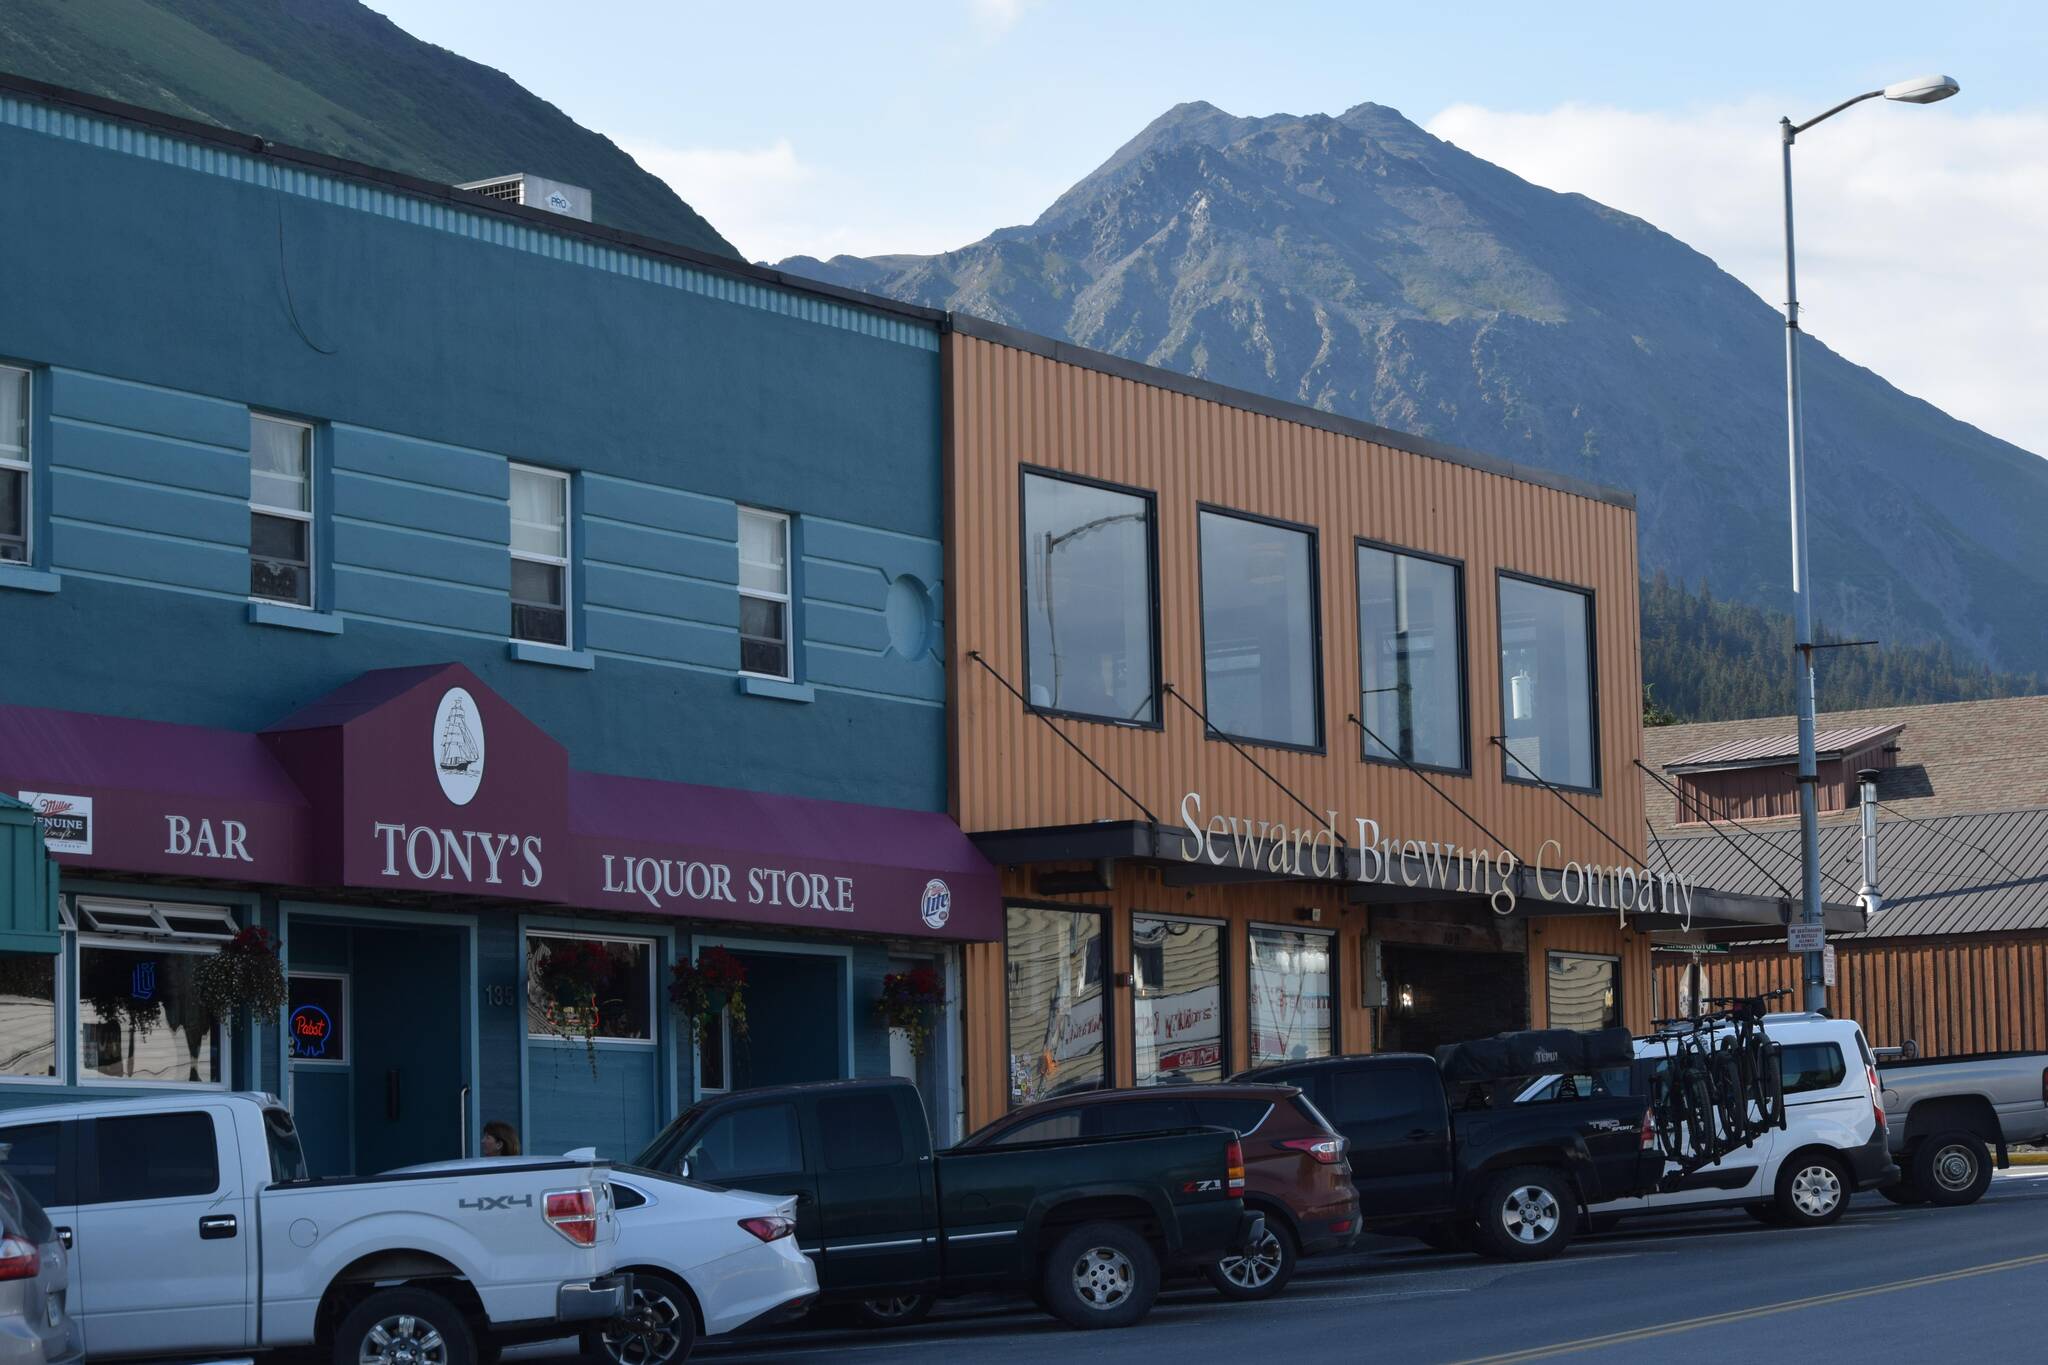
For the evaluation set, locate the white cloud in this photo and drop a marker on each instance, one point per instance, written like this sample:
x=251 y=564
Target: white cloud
x=1919 y=230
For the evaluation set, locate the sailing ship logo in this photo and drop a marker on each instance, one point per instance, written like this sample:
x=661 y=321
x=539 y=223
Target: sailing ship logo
x=459 y=745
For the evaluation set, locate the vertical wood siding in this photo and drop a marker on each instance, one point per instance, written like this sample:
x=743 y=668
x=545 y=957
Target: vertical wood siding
x=1007 y=407
x=1953 y=997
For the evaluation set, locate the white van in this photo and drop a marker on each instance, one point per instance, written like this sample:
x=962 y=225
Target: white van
x=1801 y=1175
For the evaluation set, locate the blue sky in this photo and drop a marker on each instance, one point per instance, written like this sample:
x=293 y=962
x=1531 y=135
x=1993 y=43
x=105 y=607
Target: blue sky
x=821 y=128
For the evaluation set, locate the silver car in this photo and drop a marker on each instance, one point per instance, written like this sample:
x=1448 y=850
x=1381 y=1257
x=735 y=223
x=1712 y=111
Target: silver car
x=34 y=1273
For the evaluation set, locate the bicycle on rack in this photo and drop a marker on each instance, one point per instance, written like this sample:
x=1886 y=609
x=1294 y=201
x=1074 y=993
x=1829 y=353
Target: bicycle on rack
x=1719 y=1087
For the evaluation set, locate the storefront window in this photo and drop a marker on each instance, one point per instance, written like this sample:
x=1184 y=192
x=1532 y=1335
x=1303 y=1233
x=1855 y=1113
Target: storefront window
x=1546 y=683
x=1057 y=1041
x=1585 y=992
x=1259 y=630
x=1411 y=658
x=316 y=1027
x=1177 y=1000
x=28 y=1014
x=578 y=987
x=1290 y=995
x=1088 y=618
x=140 y=1018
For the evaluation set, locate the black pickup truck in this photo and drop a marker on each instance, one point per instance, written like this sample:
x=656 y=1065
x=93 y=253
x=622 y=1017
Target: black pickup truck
x=1510 y=1180
x=1085 y=1227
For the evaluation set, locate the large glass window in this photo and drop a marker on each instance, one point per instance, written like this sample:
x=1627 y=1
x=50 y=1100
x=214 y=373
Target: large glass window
x=1290 y=996
x=1259 y=659
x=540 y=555
x=764 y=593
x=1088 y=618
x=28 y=1014
x=1411 y=658
x=281 y=510
x=601 y=988
x=1176 y=1000
x=1546 y=683
x=1585 y=992
x=140 y=1017
x=1057 y=1029
x=15 y=465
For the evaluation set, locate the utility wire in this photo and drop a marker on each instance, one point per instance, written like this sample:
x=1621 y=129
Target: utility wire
x=1398 y=758
x=1320 y=816
x=284 y=274
x=1500 y=742
x=1702 y=805
x=1769 y=875
x=1065 y=738
x=2002 y=865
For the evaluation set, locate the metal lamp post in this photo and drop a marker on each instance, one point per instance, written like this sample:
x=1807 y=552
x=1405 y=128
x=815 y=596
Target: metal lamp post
x=1920 y=90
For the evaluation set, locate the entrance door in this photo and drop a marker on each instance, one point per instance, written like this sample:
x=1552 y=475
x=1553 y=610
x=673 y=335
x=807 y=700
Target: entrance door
x=409 y=993
x=1446 y=995
x=796 y=1019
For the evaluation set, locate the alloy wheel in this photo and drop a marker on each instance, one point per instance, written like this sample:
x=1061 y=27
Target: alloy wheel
x=1257 y=1270
x=1530 y=1214
x=1816 y=1190
x=403 y=1339
x=894 y=1306
x=649 y=1335
x=1103 y=1278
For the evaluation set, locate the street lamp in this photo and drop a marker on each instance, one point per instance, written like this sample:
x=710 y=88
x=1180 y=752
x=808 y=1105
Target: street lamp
x=1918 y=90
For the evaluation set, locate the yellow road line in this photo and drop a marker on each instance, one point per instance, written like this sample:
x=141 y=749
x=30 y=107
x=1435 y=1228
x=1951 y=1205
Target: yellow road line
x=1749 y=1314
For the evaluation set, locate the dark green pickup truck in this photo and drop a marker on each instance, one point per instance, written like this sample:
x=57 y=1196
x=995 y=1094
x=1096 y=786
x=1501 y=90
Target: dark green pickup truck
x=1084 y=1227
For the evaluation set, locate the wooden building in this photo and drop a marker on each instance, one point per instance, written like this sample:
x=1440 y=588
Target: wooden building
x=1956 y=960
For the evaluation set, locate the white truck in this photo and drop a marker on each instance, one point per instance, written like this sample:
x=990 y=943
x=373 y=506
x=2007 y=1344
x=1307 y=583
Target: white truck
x=194 y=1230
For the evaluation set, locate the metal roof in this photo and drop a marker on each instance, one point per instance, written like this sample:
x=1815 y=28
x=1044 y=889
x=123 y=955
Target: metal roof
x=1933 y=877
x=1738 y=753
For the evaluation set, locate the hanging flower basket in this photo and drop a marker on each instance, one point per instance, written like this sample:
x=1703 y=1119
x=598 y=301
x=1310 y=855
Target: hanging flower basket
x=569 y=988
x=242 y=977
x=910 y=1003
x=714 y=984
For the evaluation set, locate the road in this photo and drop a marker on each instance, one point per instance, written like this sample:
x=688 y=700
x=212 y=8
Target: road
x=1885 y=1282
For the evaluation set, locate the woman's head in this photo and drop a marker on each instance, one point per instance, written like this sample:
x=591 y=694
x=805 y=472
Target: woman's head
x=500 y=1139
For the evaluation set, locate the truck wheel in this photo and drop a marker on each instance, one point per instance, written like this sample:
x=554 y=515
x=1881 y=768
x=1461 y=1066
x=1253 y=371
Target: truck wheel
x=404 y=1327
x=1813 y=1190
x=1101 y=1275
x=659 y=1327
x=1260 y=1275
x=1952 y=1168
x=1527 y=1214
x=897 y=1310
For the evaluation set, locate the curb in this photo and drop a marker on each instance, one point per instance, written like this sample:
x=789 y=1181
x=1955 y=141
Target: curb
x=2028 y=1158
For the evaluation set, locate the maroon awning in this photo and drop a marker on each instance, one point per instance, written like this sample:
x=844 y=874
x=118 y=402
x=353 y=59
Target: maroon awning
x=424 y=780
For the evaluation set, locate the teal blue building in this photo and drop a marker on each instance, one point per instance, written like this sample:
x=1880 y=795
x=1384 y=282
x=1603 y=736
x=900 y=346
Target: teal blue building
x=292 y=452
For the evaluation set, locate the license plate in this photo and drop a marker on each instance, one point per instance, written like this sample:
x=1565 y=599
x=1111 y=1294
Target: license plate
x=56 y=1309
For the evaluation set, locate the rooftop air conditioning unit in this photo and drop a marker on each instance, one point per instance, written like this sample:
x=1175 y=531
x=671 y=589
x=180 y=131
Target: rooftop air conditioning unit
x=572 y=201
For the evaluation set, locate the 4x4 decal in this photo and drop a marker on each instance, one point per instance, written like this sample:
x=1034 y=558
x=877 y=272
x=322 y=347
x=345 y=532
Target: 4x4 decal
x=485 y=1203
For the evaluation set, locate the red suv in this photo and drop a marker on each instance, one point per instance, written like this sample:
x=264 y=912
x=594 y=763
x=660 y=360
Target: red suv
x=1295 y=1170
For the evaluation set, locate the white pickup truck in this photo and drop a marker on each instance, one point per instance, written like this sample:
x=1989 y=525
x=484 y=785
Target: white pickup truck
x=194 y=1230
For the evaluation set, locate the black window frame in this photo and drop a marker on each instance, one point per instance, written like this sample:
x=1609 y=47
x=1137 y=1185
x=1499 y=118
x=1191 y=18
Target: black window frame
x=1109 y=1020
x=1592 y=680
x=1315 y=625
x=1151 y=500
x=1457 y=566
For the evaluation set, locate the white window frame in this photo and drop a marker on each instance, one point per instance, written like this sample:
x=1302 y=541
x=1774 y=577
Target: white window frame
x=312 y=602
x=341 y=1025
x=654 y=999
x=560 y=561
x=80 y=918
x=25 y=463
x=723 y=1038
x=788 y=580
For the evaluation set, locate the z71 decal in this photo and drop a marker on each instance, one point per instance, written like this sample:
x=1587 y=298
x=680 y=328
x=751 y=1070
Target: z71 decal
x=1202 y=1187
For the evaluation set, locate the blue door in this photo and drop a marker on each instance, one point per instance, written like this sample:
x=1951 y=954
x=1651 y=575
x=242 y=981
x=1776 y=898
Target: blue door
x=410 y=992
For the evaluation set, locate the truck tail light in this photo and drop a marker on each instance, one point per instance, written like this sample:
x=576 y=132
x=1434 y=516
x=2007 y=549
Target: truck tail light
x=1649 y=1130
x=1876 y=1093
x=20 y=1259
x=1233 y=1161
x=1328 y=1150
x=573 y=1213
x=769 y=1228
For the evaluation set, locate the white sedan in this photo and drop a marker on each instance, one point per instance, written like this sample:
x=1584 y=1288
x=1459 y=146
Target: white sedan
x=704 y=1262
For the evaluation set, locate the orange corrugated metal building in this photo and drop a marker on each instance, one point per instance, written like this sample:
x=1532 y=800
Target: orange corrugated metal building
x=1140 y=564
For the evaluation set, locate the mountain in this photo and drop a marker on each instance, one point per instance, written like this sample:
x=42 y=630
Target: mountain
x=334 y=76
x=1361 y=265
x=1708 y=659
